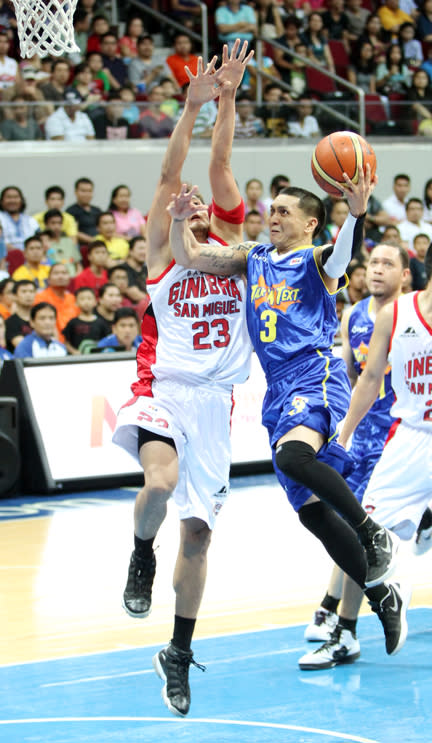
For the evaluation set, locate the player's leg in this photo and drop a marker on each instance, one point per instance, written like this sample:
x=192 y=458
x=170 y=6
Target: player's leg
x=172 y=663
x=423 y=538
x=325 y=617
x=159 y=460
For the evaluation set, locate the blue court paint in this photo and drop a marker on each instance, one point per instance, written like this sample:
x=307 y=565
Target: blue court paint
x=251 y=691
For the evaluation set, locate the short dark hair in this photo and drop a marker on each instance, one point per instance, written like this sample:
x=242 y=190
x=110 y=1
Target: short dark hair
x=51 y=213
x=402 y=176
x=144 y=37
x=134 y=241
x=309 y=204
x=41 y=306
x=123 y=312
x=108 y=285
x=83 y=180
x=403 y=254
x=353 y=266
x=413 y=200
x=23 y=282
x=29 y=240
x=119 y=267
x=253 y=213
x=108 y=33
x=54 y=189
x=277 y=180
x=59 y=61
x=84 y=289
x=104 y=214
x=96 y=244
x=5 y=282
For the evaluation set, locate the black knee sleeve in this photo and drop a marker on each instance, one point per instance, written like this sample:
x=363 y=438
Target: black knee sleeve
x=294 y=458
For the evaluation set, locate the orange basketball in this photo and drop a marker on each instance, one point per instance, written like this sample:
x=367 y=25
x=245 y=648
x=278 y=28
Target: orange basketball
x=338 y=153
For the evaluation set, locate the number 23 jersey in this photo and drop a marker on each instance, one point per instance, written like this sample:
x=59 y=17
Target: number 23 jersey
x=289 y=309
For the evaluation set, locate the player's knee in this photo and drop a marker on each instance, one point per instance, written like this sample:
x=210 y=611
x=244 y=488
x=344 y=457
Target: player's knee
x=195 y=536
x=294 y=457
x=160 y=483
x=315 y=517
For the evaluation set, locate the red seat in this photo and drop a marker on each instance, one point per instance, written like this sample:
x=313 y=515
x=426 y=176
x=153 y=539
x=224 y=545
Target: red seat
x=340 y=57
x=318 y=82
x=14 y=259
x=376 y=113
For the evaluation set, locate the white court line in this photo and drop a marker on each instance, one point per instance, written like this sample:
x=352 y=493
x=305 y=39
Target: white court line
x=207 y=721
x=232 y=659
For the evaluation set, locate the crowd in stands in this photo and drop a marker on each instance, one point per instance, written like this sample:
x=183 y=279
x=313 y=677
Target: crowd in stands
x=73 y=279
x=128 y=81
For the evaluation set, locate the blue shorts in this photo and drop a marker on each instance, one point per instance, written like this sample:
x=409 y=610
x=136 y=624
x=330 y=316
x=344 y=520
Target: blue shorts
x=315 y=393
x=365 y=451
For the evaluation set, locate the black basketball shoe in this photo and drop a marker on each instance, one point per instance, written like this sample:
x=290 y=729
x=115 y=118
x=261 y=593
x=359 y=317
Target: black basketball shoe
x=172 y=666
x=137 y=595
x=391 y=612
x=381 y=546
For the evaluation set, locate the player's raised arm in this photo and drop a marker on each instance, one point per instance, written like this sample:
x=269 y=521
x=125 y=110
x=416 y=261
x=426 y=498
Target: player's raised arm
x=369 y=382
x=188 y=252
x=228 y=211
x=202 y=88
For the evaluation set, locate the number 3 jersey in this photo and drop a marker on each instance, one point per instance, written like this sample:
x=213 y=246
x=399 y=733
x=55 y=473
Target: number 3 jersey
x=194 y=330
x=411 y=360
x=290 y=312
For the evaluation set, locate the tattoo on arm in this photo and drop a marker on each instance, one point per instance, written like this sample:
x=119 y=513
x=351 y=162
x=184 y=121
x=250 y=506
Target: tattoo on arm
x=233 y=256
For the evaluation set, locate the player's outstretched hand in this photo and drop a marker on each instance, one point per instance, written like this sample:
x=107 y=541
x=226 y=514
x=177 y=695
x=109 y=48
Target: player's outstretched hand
x=204 y=85
x=185 y=204
x=231 y=72
x=357 y=194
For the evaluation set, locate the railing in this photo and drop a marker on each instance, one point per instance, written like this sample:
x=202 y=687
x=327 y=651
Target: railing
x=359 y=124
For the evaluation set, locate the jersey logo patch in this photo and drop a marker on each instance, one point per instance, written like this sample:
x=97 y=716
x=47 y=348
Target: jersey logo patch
x=278 y=296
x=295 y=261
x=410 y=332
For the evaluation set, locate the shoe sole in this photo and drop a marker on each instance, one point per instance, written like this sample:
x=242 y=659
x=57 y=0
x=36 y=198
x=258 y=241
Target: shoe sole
x=315 y=638
x=134 y=614
x=406 y=598
x=160 y=672
x=331 y=663
x=391 y=566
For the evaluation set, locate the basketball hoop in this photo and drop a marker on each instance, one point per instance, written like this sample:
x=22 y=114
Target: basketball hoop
x=45 y=27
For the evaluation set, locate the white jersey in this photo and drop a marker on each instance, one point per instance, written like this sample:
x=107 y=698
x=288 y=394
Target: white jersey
x=411 y=361
x=195 y=331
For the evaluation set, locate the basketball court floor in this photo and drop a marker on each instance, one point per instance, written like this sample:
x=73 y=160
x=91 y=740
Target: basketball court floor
x=74 y=667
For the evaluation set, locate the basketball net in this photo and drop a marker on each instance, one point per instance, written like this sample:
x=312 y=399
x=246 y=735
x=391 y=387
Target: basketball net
x=45 y=27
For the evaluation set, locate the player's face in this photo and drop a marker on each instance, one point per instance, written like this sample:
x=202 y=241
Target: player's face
x=44 y=323
x=200 y=221
x=384 y=271
x=289 y=225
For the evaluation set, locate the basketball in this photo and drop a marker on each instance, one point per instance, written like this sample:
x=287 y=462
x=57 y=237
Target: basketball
x=338 y=153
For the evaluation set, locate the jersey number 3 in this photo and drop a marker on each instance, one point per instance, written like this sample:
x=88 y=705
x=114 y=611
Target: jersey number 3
x=269 y=318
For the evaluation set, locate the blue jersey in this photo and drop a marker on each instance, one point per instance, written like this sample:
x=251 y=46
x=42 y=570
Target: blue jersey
x=290 y=312
x=360 y=328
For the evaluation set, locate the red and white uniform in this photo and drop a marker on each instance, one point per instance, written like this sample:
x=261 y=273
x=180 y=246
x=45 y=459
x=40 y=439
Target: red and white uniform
x=401 y=483
x=195 y=347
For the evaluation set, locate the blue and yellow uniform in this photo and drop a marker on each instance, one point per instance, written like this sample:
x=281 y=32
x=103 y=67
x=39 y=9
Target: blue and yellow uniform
x=371 y=433
x=292 y=320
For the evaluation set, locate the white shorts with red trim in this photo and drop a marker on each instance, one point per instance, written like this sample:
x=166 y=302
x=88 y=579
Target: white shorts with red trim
x=198 y=419
x=401 y=484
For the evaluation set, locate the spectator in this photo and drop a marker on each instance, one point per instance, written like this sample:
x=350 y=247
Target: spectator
x=298 y=80
x=395 y=203
x=269 y=21
x=254 y=190
x=306 y=125
x=277 y=183
x=54 y=199
x=128 y=42
x=316 y=42
x=109 y=123
x=417 y=267
x=254 y=226
x=147 y=68
x=338 y=215
x=247 y=125
x=62 y=249
x=15 y=224
x=113 y=64
x=375 y=35
x=393 y=75
x=58 y=295
x=88 y=89
x=69 y=122
x=274 y=112
x=427 y=201
x=41 y=342
x=125 y=332
x=96 y=275
x=182 y=57
x=336 y=23
x=362 y=69
x=391 y=235
x=10 y=75
x=136 y=267
x=424 y=22
x=356 y=289
x=87 y=325
x=129 y=221
x=33 y=269
x=98 y=28
x=81 y=23
x=22 y=126
x=5 y=355
x=235 y=20
x=117 y=246
x=170 y=105
x=83 y=211
x=7 y=302
x=131 y=296
x=392 y=17
x=18 y=324
x=414 y=224
x=55 y=89
x=427 y=64
x=153 y=123
x=30 y=92
x=420 y=94
x=110 y=300
x=186 y=12
x=357 y=16
x=100 y=77
x=411 y=47
x=284 y=62
x=267 y=65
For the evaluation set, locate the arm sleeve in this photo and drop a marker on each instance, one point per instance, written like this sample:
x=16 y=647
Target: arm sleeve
x=336 y=258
